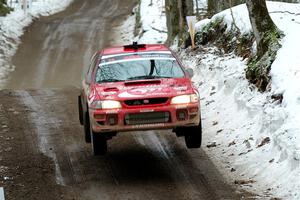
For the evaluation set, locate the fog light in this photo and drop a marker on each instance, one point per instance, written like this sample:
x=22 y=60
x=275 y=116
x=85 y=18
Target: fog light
x=99 y=116
x=112 y=120
x=181 y=115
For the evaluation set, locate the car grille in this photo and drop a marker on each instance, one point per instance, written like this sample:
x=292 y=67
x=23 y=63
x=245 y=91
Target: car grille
x=137 y=102
x=147 y=118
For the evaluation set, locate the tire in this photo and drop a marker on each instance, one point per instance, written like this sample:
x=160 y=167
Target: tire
x=86 y=125
x=193 y=137
x=99 y=144
x=80 y=110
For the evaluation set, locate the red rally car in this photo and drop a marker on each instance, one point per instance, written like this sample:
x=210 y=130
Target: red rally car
x=138 y=87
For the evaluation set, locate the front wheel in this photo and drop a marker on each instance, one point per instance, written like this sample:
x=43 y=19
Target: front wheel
x=86 y=125
x=193 y=136
x=99 y=143
x=80 y=110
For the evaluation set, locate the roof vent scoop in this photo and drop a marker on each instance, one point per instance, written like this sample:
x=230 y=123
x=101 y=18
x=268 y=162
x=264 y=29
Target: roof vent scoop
x=134 y=46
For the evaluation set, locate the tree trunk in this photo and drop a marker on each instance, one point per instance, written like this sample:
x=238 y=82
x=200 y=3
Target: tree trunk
x=197 y=8
x=172 y=15
x=267 y=37
x=262 y=25
x=176 y=12
x=215 y=6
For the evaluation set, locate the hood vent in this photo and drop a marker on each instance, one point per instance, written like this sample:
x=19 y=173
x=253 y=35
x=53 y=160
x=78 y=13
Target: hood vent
x=143 y=82
x=111 y=89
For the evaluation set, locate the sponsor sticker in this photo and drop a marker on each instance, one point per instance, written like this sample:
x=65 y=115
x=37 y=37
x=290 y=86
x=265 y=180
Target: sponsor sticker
x=146 y=110
x=111 y=112
x=181 y=88
x=137 y=92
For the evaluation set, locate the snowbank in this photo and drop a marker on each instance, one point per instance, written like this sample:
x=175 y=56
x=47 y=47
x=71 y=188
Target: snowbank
x=153 y=24
x=257 y=138
x=12 y=28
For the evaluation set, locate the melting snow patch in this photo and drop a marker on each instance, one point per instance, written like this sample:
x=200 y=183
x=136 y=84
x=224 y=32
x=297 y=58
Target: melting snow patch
x=2 y=193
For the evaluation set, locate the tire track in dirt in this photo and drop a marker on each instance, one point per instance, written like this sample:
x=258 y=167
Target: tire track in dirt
x=139 y=165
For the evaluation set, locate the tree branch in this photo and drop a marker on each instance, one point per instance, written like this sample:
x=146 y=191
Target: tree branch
x=161 y=31
x=233 y=19
x=285 y=12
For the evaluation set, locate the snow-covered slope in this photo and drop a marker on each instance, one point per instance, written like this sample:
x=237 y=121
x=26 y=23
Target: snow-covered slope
x=153 y=21
x=252 y=138
x=12 y=27
x=257 y=138
x=153 y=24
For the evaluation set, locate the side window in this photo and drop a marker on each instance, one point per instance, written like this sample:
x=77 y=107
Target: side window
x=91 y=68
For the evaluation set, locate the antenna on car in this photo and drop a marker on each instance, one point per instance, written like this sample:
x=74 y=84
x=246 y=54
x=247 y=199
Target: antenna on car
x=134 y=46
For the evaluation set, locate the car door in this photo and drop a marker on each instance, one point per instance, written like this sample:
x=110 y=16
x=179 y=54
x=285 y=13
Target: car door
x=88 y=77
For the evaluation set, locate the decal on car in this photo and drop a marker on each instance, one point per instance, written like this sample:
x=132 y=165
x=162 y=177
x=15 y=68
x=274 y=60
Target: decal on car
x=138 y=92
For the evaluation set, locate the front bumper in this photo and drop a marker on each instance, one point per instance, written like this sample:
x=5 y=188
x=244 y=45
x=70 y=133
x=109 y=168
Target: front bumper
x=148 y=118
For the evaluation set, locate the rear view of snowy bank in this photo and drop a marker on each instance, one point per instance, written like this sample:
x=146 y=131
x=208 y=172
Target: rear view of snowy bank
x=12 y=28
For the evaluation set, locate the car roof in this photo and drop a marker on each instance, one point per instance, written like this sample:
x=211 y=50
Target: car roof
x=128 y=49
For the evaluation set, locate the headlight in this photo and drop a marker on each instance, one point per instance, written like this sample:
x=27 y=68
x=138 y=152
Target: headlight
x=184 y=99
x=106 y=104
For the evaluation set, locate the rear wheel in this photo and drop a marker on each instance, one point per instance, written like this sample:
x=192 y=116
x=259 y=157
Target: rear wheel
x=99 y=143
x=193 y=136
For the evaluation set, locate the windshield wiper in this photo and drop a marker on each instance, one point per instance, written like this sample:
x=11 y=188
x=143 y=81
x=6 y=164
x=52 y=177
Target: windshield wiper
x=110 y=80
x=147 y=77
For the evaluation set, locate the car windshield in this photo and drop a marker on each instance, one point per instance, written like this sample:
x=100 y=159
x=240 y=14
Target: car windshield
x=138 y=66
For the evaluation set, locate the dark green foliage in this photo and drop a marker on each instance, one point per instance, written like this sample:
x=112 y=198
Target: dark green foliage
x=231 y=41
x=259 y=66
x=3 y=8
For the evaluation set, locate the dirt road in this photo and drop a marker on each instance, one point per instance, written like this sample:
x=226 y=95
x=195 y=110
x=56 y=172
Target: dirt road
x=42 y=150
x=55 y=49
x=142 y=165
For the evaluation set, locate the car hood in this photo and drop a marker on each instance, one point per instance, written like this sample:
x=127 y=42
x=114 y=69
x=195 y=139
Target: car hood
x=144 y=89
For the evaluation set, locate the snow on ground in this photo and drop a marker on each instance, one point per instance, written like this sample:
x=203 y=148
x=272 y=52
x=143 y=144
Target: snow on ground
x=202 y=6
x=257 y=139
x=12 y=28
x=153 y=24
x=253 y=139
x=125 y=31
x=153 y=19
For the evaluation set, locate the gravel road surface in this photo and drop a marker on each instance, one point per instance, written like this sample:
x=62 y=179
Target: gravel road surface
x=42 y=150
x=44 y=156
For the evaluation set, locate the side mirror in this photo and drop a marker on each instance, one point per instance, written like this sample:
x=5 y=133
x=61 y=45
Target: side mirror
x=190 y=72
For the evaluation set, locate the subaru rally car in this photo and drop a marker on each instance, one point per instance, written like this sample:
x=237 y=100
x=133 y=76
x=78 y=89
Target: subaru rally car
x=138 y=87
